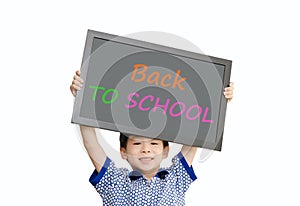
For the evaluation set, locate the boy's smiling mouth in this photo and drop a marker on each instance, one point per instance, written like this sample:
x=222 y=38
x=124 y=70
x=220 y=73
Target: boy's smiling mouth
x=146 y=159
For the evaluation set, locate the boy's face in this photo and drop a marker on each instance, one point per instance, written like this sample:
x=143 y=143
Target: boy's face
x=144 y=154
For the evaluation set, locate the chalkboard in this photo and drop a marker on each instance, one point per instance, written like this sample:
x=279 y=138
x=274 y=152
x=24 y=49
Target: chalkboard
x=151 y=90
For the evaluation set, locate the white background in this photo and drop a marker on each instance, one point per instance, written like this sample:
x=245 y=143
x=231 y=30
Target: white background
x=41 y=45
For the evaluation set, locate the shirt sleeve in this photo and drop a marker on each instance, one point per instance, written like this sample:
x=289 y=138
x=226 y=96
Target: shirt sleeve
x=107 y=178
x=184 y=173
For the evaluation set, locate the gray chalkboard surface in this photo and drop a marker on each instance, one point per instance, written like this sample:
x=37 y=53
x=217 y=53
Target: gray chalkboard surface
x=151 y=90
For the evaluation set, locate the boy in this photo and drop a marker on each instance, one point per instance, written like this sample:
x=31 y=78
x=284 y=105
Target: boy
x=147 y=184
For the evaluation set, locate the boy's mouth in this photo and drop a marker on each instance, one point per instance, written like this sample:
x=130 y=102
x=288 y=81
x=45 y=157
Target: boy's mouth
x=146 y=159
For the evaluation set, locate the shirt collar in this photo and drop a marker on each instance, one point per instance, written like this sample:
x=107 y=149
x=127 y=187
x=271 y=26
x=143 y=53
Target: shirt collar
x=135 y=174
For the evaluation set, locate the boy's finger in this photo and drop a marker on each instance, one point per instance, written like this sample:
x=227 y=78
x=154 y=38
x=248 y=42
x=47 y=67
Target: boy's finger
x=228 y=89
x=77 y=78
x=228 y=96
x=228 y=92
x=77 y=88
x=76 y=83
x=73 y=91
x=74 y=88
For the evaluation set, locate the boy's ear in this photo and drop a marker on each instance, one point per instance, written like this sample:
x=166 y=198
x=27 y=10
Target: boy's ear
x=166 y=152
x=123 y=153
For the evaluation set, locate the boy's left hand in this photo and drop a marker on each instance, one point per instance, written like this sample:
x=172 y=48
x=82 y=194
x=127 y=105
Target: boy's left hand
x=228 y=91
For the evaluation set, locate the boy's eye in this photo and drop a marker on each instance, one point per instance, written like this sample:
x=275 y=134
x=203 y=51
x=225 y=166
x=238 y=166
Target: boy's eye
x=154 y=143
x=136 y=143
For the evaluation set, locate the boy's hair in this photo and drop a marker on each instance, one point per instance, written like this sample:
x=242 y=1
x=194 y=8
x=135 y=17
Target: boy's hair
x=124 y=139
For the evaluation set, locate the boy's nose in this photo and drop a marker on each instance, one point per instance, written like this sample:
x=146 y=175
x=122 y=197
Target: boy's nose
x=145 y=149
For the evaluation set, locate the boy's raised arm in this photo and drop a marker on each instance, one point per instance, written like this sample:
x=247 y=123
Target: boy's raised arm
x=189 y=153
x=93 y=148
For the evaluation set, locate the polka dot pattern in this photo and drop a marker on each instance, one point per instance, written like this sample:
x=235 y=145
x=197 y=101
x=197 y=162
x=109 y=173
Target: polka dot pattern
x=116 y=187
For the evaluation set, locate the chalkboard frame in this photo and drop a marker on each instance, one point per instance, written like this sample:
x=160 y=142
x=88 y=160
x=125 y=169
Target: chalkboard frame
x=91 y=34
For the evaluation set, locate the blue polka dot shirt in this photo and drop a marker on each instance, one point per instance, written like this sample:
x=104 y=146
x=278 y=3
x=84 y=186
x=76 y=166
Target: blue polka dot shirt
x=118 y=186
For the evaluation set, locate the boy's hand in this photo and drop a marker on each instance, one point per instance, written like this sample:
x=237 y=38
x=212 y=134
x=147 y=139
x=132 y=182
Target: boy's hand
x=228 y=91
x=76 y=83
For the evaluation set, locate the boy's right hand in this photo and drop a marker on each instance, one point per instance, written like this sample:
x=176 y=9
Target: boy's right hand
x=76 y=83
